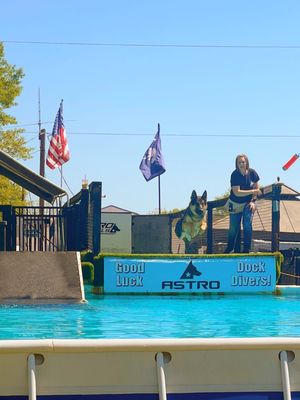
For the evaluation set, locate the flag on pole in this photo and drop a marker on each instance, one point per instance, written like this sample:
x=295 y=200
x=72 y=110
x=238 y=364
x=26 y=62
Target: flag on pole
x=58 y=152
x=152 y=164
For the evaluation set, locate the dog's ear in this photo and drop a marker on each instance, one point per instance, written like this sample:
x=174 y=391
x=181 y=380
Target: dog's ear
x=204 y=196
x=193 y=196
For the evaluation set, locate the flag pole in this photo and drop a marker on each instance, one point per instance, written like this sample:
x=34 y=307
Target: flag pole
x=152 y=164
x=42 y=134
x=61 y=168
x=61 y=176
x=42 y=137
x=159 y=207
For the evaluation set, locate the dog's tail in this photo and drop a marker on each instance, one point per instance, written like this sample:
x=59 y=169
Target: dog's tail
x=178 y=228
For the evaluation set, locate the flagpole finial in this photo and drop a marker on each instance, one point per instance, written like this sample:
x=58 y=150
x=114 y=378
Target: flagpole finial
x=84 y=183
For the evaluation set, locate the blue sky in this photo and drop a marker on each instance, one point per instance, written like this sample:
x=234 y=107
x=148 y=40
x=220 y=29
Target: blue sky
x=212 y=103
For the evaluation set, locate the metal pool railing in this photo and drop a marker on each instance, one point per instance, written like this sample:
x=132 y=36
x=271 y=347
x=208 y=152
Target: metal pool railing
x=258 y=368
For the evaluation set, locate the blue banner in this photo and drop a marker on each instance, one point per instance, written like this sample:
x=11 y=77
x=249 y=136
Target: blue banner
x=185 y=275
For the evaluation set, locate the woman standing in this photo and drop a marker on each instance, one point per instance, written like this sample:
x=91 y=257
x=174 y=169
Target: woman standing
x=241 y=203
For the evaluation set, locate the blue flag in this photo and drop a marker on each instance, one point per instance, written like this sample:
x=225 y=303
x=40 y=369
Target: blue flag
x=152 y=164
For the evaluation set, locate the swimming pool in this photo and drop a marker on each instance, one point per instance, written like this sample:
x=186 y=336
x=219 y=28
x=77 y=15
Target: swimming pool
x=129 y=347
x=138 y=316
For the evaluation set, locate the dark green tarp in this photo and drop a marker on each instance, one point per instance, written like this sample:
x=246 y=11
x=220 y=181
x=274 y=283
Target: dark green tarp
x=28 y=179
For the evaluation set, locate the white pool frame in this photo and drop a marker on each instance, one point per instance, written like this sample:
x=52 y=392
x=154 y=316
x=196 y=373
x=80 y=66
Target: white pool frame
x=150 y=368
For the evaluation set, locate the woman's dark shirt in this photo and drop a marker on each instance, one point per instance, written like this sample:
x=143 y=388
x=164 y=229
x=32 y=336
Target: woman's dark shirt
x=245 y=182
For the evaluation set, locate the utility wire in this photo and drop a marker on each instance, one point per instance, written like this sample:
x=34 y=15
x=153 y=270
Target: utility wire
x=220 y=135
x=176 y=45
x=36 y=123
x=238 y=135
x=70 y=190
x=30 y=140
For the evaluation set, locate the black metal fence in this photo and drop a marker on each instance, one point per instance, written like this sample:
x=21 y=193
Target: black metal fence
x=94 y=218
x=39 y=228
x=273 y=227
x=75 y=226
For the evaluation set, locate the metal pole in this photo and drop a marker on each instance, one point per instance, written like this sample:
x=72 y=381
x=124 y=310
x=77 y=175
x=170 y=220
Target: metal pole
x=285 y=375
x=276 y=190
x=31 y=377
x=3 y=225
x=209 y=231
x=161 y=378
x=42 y=135
x=159 y=208
x=42 y=138
x=61 y=176
x=61 y=168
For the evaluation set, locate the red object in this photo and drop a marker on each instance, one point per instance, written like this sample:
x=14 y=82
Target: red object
x=290 y=162
x=58 y=152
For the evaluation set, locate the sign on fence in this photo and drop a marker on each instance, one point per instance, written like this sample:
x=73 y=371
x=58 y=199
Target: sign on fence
x=228 y=274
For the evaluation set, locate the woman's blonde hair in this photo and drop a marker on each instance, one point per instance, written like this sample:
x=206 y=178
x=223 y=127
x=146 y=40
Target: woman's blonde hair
x=238 y=157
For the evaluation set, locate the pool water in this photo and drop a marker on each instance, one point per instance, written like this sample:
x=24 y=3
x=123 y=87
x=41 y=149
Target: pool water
x=125 y=316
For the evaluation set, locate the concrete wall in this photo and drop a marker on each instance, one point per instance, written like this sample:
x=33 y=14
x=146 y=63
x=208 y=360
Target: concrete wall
x=151 y=234
x=41 y=276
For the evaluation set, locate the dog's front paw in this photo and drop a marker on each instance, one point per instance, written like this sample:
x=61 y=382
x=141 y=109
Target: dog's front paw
x=203 y=226
x=187 y=238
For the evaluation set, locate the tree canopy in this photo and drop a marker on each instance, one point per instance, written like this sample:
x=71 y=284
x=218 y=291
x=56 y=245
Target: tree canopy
x=12 y=140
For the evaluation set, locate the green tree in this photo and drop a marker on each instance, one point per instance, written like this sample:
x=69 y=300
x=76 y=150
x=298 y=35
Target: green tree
x=12 y=141
x=222 y=196
x=173 y=211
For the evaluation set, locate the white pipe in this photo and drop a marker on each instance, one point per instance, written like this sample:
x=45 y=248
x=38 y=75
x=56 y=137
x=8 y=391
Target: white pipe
x=155 y=345
x=161 y=376
x=170 y=345
x=31 y=377
x=285 y=375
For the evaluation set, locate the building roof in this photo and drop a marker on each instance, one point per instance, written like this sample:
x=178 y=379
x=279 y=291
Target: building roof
x=114 y=209
x=287 y=190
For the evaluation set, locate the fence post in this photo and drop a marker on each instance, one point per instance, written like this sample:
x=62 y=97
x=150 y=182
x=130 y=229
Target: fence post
x=276 y=191
x=94 y=221
x=83 y=217
x=211 y=205
x=8 y=215
x=3 y=225
x=209 y=231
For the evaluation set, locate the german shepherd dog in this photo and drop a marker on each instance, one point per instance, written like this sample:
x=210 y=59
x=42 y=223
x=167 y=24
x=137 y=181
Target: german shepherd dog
x=193 y=221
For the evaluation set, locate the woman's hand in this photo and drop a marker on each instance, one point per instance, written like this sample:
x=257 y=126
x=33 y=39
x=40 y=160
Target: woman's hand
x=257 y=192
x=252 y=206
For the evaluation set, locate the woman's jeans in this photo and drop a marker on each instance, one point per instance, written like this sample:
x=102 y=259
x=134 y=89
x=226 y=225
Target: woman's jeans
x=235 y=227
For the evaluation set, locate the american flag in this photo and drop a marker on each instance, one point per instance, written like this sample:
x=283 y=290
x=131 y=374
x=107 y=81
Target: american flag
x=58 y=152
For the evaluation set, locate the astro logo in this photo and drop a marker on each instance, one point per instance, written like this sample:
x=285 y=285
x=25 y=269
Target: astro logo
x=188 y=283
x=109 y=227
x=190 y=272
